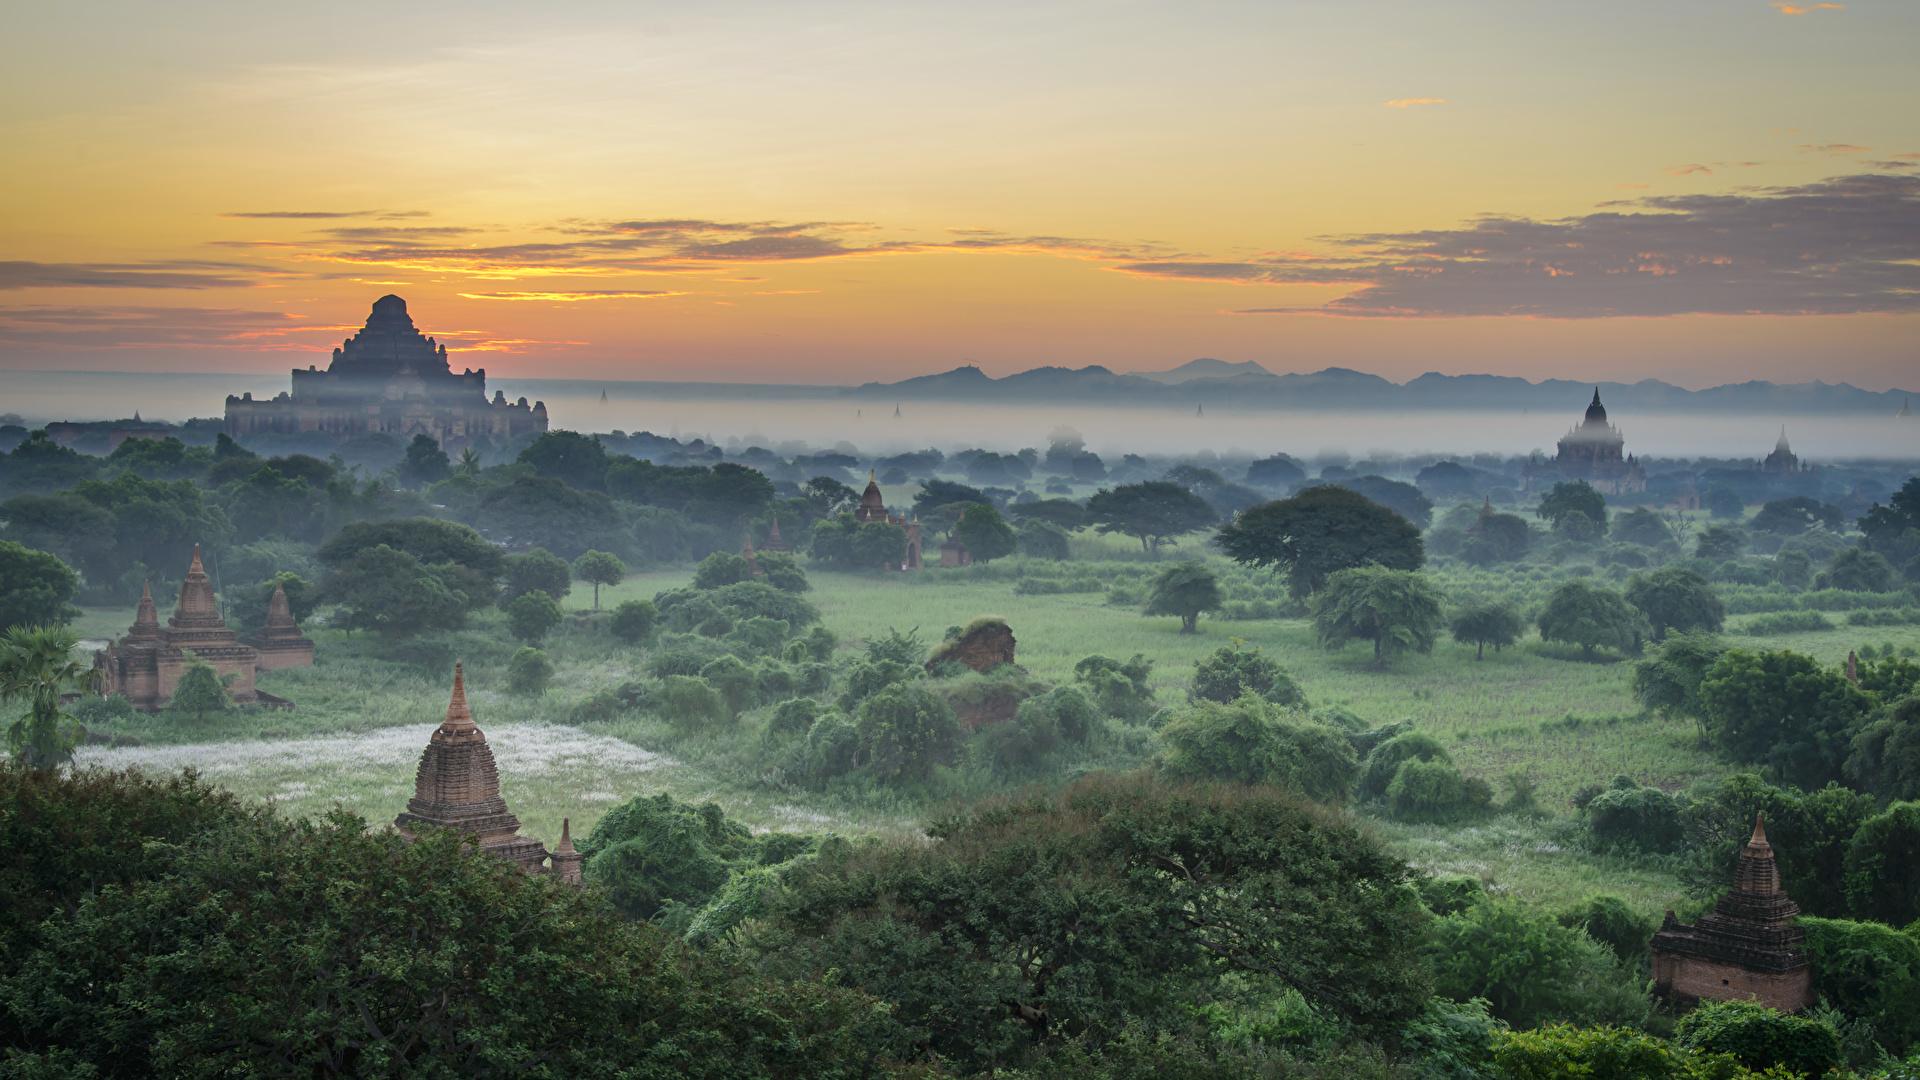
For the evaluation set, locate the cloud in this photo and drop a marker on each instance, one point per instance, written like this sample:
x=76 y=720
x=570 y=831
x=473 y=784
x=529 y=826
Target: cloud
x=298 y=215
x=1834 y=148
x=1846 y=245
x=1413 y=102
x=1694 y=169
x=153 y=275
x=576 y=296
x=1784 y=7
x=131 y=327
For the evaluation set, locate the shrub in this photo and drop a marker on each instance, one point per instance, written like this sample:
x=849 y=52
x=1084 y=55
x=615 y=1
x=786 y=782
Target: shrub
x=905 y=731
x=1530 y=969
x=793 y=717
x=1760 y=1038
x=1386 y=758
x=1870 y=971
x=1434 y=791
x=1609 y=921
x=1240 y=668
x=1786 y=622
x=1641 y=818
x=532 y=616
x=689 y=702
x=1119 y=690
x=529 y=672
x=1883 y=866
x=733 y=680
x=633 y=621
x=1251 y=742
x=1450 y=894
x=832 y=748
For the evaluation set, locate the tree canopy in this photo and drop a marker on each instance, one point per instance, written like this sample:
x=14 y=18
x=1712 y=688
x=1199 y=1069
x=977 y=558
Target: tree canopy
x=1187 y=590
x=1591 y=617
x=1155 y=512
x=1319 y=532
x=1396 y=610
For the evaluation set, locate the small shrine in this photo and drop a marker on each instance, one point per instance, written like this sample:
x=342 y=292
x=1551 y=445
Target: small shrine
x=1748 y=948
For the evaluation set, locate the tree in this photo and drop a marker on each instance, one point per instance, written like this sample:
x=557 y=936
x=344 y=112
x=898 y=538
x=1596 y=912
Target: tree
x=550 y=513
x=1238 y=668
x=536 y=569
x=1401 y=498
x=425 y=462
x=1251 y=741
x=1041 y=540
x=1384 y=761
x=1435 y=792
x=1186 y=590
x=936 y=493
x=1155 y=512
x=1573 y=497
x=570 y=457
x=35 y=587
x=200 y=693
x=1885 y=755
x=1793 y=570
x=1718 y=543
x=76 y=530
x=1591 y=617
x=601 y=569
x=1497 y=538
x=1782 y=710
x=1643 y=527
x=1791 y=517
x=37 y=666
x=1883 y=866
x=1276 y=473
x=429 y=540
x=905 y=731
x=1397 y=610
x=1318 y=532
x=528 y=672
x=633 y=620
x=1061 y=513
x=1668 y=682
x=532 y=616
x=985 y=534
x=1676 y=598
x=1858 y=569
x=1530 y=969
x=729 y=494
x=1496 y=624
x=1761 y=1038
x=389 y=591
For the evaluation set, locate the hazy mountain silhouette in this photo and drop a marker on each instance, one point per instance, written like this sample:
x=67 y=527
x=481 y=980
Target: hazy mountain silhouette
x=1248 y=385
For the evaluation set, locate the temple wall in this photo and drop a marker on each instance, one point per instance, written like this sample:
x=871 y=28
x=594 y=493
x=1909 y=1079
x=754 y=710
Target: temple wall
x=1689 y=979
x=276 y=656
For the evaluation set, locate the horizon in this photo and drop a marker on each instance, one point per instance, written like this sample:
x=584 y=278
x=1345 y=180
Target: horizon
x=832 y=196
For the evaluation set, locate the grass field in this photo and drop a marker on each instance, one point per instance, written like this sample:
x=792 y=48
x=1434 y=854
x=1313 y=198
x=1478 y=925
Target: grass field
x=359 y=725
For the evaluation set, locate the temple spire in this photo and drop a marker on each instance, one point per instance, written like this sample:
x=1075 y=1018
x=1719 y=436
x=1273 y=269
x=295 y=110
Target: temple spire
x=459 y=717
x=146 y=621
x=1759 y=837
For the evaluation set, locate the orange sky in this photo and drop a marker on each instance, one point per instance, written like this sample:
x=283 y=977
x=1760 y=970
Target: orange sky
x=1703 y=192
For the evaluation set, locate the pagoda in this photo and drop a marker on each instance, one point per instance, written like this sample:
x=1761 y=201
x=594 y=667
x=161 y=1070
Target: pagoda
x=146 y=665
x=1749 y=947
x=280 y=642
x=458 y=787
x=1593 y=451
x=1783 y=460
x=873 y=508
x=388 y=379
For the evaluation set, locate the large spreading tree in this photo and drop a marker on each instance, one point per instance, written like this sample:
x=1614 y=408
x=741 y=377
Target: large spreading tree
x=1591 y=617
x=1396 y=610
x=1155 y=512
x=1320 y=532
x=1676 y=598
x=1187 y=590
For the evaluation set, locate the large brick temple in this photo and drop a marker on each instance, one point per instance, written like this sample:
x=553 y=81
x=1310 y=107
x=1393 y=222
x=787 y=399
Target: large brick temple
x=1749 y=947
x=458 y=787
x=390 y=379
x=146 y=664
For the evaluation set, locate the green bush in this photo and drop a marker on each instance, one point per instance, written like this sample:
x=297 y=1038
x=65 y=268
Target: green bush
x=1608 y=920
x=1251 y=741
x=1385 y=759
x=532 y=615
x=1870 y=971
x=793 y=717
x=688 y=701
x=1883 y=866
x=529 y=672
x=1436 y=792
x=905 y=731
x=1760 y=1038
x=1640 y=818
x=1529 y=968
x=633 y=621
x=1240 y=668
x=1786 y=622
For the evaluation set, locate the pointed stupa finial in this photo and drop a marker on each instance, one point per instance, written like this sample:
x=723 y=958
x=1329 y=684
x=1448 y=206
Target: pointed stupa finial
x=873 y=476
x=1759 y=837
x=146 y=620
x=195 y=567
x=566 y=838
x=1596 y=395
x=458 y=715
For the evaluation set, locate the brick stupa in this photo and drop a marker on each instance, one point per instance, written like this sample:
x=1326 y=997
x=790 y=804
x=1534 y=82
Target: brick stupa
x=280 y=642
x=1749 y=947
x=146 y=665
x=458 y=787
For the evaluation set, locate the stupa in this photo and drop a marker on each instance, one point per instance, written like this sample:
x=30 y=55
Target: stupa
x=1749 y=947
x=280 y=642
x=146 y=665
x=458 y=787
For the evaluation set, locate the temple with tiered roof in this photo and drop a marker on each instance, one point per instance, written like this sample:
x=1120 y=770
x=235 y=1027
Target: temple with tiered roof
x=1749 y=947
x=146 y=665
x=389 y=379
x=457 y=787
x=873 y=508
x=1593 y=451
x=280 y=642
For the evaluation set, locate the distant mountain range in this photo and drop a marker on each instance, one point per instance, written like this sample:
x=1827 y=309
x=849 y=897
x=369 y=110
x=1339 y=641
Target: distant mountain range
x=1219 y=384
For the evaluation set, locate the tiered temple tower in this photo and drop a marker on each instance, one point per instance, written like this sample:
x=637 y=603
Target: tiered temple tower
x=458 y=787
x=389 y=378
x=146 y=665
x=280 y=643
x=1748 y=948
x=1594 y=451
x=1783 y=460
x=873 y=507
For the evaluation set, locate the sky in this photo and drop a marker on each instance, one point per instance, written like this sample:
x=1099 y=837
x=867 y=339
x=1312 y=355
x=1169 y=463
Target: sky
x=1703 y=192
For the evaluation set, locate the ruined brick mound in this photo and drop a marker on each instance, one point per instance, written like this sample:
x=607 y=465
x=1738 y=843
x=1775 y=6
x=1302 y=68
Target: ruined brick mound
x=985 y=644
